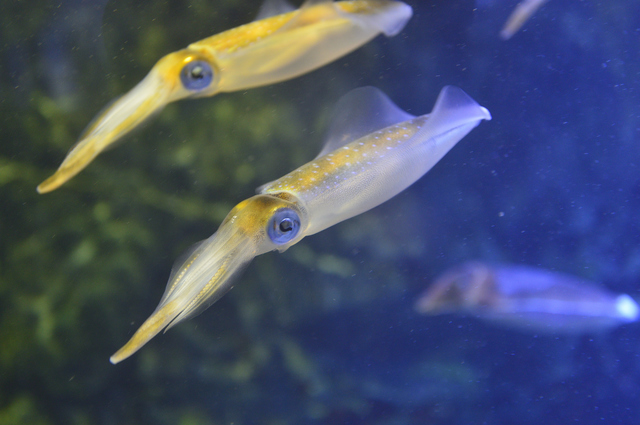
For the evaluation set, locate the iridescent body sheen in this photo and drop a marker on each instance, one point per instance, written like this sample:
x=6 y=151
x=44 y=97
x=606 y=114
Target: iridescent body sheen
x=265 y=51
x=373 y=152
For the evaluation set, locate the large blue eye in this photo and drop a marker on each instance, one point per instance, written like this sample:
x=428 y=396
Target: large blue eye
x=196 y=75
x=283 y=226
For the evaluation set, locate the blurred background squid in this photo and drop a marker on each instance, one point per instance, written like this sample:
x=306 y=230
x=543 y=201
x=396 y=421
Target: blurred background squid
x=527 y=298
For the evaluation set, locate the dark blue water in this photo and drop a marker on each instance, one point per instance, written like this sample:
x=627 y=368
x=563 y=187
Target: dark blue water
x=326 y=332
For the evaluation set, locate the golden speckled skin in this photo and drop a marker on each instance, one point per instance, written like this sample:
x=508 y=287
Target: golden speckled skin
x=336 y=167
x=259 y=53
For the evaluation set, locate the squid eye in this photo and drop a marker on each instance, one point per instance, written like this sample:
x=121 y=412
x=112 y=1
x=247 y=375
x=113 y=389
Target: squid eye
x=283 y=226
x=196 y=75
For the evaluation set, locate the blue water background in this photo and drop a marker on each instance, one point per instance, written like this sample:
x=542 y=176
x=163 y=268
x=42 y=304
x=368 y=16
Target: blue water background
x=326 y=332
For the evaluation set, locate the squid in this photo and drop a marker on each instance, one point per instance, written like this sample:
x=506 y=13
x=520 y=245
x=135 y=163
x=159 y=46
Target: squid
x=373 y=151
x=520 y=15
x=527 y=298
x=276 y=47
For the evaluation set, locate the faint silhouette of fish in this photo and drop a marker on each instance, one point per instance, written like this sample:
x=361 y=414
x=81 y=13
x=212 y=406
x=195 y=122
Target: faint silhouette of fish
x=527 y=298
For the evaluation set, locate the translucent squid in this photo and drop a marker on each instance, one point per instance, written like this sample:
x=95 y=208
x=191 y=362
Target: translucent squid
x=372 y=152
x=527 y=298
x=269 y=50
x=520 y=15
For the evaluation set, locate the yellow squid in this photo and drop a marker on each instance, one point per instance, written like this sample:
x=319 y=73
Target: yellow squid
x=265 y=51
x=373 y=151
